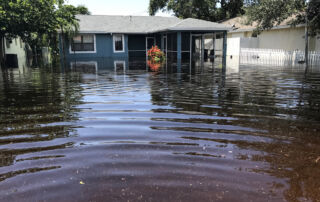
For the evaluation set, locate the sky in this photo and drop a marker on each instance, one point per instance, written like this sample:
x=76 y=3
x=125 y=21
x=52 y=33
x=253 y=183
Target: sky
x=116 y=7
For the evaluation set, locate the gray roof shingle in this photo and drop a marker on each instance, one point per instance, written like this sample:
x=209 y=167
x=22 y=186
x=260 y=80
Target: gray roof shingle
x=143 y=24
x=195 y=24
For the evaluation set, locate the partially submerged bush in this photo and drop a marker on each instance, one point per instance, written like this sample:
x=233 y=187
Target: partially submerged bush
x=156 y=55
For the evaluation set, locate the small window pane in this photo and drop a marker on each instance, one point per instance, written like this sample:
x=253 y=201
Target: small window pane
x=118 y=43
x=77 y=39
x=88 y=39
x=88 y=47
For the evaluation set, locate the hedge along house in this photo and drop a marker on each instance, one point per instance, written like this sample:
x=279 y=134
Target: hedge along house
x=124 y=37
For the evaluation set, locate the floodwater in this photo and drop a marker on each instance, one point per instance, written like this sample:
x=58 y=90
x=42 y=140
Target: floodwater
x=159 y=136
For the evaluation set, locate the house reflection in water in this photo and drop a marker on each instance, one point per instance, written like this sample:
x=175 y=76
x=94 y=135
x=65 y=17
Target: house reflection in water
x=124 y=65
x=93 y=65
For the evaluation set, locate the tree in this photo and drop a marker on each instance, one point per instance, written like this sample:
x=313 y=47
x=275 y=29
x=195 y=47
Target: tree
x=313 y=16
x=81 y=9
x=230 y=9
x=37 y=21
x=212 y=10
x=270 y=13
x=66 y=23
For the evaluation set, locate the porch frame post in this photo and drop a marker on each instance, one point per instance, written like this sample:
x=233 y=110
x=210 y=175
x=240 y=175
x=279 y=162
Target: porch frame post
x=190 y=46
x=224 y=56
x=202 y=47
x=167 y=46
x=179 y=55
x=214 y=45
x=190 y=52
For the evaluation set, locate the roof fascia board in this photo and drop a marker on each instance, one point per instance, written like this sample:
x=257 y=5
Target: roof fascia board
x=274 y=28
x=199 y=29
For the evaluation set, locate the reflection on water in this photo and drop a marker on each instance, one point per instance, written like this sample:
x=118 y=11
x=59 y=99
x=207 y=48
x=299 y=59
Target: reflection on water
x=128 y=134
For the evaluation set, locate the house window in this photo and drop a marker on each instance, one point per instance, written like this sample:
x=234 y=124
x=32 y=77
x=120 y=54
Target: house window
x=83 y=43
x=118 y=43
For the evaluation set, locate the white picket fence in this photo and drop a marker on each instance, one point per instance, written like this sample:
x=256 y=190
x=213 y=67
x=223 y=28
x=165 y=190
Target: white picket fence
x=272 y=57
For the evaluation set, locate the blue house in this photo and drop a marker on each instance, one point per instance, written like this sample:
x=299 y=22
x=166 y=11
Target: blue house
x=125 y=37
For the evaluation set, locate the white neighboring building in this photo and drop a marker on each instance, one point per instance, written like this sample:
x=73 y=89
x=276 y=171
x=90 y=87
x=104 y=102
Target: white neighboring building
x=282 y=45
x=17 y=47
x=284 y=37
x=15 y=51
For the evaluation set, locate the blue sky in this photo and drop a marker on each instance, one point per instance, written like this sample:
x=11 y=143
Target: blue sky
x=116 y=7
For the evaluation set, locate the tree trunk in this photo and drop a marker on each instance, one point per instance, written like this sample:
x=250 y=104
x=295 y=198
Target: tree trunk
x=62 y=46
x=2 y=51
x=307 y=39
x=36 y=55
x=306 y=47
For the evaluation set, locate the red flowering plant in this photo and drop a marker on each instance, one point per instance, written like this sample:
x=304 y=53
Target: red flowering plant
x=155 y=58
x=154 y=66
x=156 y=55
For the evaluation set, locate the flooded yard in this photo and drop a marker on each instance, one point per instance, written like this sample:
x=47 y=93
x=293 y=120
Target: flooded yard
x=205 y=135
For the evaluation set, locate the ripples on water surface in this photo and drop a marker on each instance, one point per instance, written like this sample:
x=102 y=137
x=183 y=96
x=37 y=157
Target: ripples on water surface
x=143 y=136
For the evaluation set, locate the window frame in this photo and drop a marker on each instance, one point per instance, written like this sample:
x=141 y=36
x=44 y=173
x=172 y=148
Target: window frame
x=94 y=45
x=122 y=62
x=114 y=44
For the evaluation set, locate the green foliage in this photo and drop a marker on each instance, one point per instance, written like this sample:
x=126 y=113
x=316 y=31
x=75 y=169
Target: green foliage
x=81 y=9
x=212 y=10
x=313 y=14
x=269 y=13
x=37 y=22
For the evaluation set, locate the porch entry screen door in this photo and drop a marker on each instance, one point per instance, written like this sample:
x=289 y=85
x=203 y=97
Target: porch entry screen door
x=150 y=41
x=196 y=45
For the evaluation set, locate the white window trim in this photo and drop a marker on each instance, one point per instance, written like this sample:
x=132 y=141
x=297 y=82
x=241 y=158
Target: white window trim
x=114 y=45
x=80 y=52
x=121 y=62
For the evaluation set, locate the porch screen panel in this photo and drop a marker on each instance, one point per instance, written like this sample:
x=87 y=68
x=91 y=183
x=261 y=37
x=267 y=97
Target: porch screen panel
x=185 y=42
x=158 y=40
x=137 y=45
x=172 y=42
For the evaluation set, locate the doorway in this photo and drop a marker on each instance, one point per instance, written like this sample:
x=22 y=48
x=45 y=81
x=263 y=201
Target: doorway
x=150 y=41
x=197 y=46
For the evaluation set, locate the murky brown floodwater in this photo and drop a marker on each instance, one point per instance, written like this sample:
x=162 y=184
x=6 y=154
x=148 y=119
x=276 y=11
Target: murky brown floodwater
x=139 y=136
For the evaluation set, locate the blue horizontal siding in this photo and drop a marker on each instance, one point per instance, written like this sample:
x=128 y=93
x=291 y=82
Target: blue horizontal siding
x=104 y=48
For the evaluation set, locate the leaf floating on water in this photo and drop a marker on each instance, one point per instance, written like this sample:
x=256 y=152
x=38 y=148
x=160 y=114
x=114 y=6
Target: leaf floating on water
x=81 y=182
